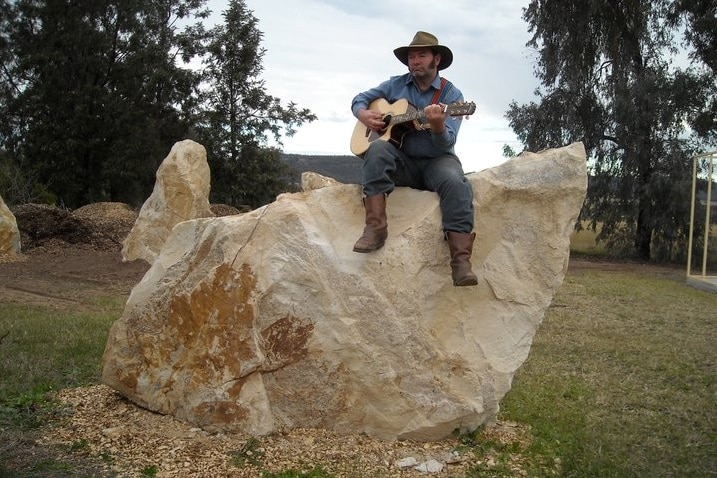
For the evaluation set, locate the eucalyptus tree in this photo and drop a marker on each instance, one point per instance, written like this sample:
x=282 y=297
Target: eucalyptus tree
x=239 y=116
x=633 y=80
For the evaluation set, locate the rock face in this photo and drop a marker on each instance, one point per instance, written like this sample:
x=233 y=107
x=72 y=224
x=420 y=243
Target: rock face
x=9 y=233
x=181 y=192
x=268 y=320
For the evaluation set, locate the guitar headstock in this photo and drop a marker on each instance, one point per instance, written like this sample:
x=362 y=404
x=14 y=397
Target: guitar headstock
x=461 y=108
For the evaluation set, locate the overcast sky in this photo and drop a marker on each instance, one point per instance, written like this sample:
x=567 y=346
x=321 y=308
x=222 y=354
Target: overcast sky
x=320 y=53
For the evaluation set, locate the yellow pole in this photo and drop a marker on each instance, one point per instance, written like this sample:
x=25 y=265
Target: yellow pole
x=692 y=216
x=707 y=215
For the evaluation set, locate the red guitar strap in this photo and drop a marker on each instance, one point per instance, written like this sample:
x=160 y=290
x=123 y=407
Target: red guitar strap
x=437 y=95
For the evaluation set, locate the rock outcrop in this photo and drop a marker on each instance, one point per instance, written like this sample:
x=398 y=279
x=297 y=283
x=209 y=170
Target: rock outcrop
x=268 y=320
x=181 y=192
x=9 y=233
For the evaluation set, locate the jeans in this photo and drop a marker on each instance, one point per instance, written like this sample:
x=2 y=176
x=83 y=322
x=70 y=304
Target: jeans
x=385 y=166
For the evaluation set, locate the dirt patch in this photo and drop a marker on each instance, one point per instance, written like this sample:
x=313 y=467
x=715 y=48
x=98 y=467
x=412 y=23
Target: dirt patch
x=70 y=258
x=63 y=276
x=580 y=265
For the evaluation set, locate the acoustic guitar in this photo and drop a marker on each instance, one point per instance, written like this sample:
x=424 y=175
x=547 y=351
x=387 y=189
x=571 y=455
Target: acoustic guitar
x=398 y=117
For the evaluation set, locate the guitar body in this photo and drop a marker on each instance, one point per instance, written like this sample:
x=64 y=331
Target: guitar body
x=362 y=136
x=399 y=117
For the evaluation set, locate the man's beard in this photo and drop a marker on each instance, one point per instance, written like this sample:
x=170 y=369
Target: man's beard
x=427 y=73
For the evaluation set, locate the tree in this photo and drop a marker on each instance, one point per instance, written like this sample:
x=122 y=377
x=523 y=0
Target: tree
x=91 y=92
x=94 y=93
x=700 y=21
x=608 y=77
x=238 y=114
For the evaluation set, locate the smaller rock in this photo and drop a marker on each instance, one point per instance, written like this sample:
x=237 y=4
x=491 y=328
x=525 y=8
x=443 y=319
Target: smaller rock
x=430 y=466
x=453 y=458
x=113 y=432
x=9 y=232
x=181 y=192
x=311 y=181
x=407 y=462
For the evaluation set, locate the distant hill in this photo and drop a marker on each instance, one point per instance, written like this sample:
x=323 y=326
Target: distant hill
x=345 y=169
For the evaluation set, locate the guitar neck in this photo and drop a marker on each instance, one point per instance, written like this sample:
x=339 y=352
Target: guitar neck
x=406 y=117
x=456 y=109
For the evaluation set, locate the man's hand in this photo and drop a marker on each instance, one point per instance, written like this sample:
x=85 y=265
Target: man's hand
x=372 y=119
x=436 y=115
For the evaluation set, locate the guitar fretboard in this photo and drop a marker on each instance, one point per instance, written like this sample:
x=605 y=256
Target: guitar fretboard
x=456 y=109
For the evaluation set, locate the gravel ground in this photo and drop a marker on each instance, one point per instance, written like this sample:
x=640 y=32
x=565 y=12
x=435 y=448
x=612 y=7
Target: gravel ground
x=133 y=440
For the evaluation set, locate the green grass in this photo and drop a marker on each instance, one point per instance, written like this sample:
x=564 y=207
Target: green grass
x=316 y=472
x=620 y=381
x=584 y=243
x=250 y=453
x=44 y=350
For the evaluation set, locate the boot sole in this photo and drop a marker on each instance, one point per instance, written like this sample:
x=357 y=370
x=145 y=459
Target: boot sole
x=366 y=250
x=466 y=282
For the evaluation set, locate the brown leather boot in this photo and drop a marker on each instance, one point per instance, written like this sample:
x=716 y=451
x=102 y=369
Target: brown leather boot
x=460 y=245
x=376 y=230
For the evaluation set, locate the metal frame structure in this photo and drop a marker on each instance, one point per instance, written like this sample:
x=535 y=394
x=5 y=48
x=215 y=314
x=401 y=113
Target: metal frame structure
x=703 y=280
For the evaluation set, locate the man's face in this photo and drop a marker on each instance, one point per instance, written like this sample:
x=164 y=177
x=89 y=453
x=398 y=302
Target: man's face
x=423 y=63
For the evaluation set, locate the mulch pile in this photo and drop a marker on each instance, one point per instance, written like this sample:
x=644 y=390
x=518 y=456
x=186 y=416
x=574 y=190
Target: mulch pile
x=99 y=226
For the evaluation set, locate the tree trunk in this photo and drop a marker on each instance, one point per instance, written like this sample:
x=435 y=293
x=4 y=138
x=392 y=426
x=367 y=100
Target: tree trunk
x=643 y=233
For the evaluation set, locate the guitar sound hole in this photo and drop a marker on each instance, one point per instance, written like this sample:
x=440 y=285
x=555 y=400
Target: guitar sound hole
x=386 y=122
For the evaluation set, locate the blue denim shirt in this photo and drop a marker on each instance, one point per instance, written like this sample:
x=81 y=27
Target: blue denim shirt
x=419 y=144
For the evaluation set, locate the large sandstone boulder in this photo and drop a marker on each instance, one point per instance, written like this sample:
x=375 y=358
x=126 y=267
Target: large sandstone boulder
x=181 y=192
x=9 y=233
x=268 y=320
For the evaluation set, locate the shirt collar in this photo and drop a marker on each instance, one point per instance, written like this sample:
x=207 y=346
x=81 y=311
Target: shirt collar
x=435 y=84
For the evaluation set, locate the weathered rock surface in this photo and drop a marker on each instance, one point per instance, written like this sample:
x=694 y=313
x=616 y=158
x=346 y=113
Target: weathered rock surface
x=9 y=233
x=181 y=192
x=268 y=320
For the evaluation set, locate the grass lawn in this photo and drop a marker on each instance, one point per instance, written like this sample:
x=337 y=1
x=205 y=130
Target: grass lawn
x=620 y=381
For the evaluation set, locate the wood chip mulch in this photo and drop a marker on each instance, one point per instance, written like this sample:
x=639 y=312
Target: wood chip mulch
x=134 y=442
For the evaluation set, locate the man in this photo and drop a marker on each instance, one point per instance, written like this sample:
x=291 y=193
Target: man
x=424 y=158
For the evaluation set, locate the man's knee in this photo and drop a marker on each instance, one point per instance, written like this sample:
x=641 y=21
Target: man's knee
x=380 y=149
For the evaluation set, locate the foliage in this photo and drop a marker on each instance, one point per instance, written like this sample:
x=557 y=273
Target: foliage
x=250 y=453
x=610 y=79
x=92 y=90
x=17 y=187
x=94 y=94
x=239 y=115
x=316 y=472
x=149 y=471
x=508 y=152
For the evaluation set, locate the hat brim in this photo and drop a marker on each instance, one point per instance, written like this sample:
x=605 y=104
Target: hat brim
x=446 y=54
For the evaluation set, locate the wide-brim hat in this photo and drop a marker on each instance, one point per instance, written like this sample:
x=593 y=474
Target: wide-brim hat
x=425 y=40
